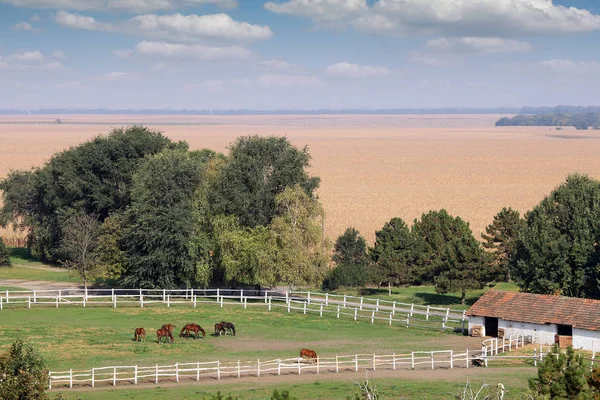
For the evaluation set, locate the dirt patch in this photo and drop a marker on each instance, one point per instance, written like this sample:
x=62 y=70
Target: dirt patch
x=39 y=285
x=252 y=344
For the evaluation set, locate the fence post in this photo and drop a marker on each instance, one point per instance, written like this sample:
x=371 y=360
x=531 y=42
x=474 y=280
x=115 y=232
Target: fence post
x=372 y=317
x=535 y=357
x=356 y=363
x=168 y=300
x=327 y=299
x=374 y=363
x=194 y=297
x=407 y=320
x=7 y=296
x=412 y=309
x=164 y=295
x=287 y=297
x=135 y=375
x=71 y=379
x=337 y=365
x=241 y=295
x=394 y=307
x=56 y=301
x=177 y=372
x=141 y=299
x=377 y=306
x=427 y=314
x=321 y=310
x=93 y=376
x=84 y=300
x=278 y=366
x=258 y=367
x=463 y=322
x=156 y=379
x=114 y=300
x=308 y=294
x=412 y=360
x=270 y=300
x=394 y=361
x=390 y=319
x=218 y=370
x=451 y=359
x=289 y=304
x=344 y=301
x=217 y=295
x=1 y=304
x=299 y=366
x=221 y=301
x=28 y=301
x=197 y=371
x=361 y=303
x=245 y=303
x=239 y=369
x=338 y=311
x=114 y=376
x=355 y=312
x=318 y=365
x=304 y=307
x=432 y=362
x=34 y=297
x=467 y=357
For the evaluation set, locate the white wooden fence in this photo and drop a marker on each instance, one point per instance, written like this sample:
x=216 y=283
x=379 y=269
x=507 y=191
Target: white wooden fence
x=391 y=312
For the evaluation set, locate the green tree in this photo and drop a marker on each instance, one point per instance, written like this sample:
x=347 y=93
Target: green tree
x=558 y=251
x=94 y=177
x=23 y=373
x=448 y=254
x=393 y=253
x=283 y=395
x=350 y=248
x=162 y=222
x=257 y=171
x=109 y=250
x=79 y=245
x=4 y=254
x=561 y=376
x=302 y=250
x=500 y=238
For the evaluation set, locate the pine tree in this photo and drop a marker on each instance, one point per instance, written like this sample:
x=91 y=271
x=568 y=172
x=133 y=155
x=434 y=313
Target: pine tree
x=561 y=376
x=4 y=254
x=500 y=238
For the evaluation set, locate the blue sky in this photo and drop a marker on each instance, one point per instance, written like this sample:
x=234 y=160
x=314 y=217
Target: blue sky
x=298 y=54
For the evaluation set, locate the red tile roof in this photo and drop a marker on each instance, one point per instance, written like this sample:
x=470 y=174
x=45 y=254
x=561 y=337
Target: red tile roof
x=538 y=309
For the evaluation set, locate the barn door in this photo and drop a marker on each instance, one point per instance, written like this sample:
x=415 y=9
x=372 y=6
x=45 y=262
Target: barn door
x=491 y=326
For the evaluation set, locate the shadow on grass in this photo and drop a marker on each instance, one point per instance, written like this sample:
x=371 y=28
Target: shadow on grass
x=445 y=299
x=22 y=253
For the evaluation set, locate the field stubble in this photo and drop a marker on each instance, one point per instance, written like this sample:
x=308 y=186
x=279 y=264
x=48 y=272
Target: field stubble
x=373 y=168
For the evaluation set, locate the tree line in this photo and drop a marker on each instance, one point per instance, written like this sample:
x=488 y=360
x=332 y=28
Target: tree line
x=581 y=121
x=148 y=212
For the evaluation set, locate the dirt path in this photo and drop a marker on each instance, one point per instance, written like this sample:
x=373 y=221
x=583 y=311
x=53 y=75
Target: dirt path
x=39 y=285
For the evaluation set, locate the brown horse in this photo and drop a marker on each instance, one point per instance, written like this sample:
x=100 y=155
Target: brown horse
x=229 y=327
x=168 y=327
x=139 y=335
x=192 y=328
x=310 y=354
x=219 y=330
x=164 y=333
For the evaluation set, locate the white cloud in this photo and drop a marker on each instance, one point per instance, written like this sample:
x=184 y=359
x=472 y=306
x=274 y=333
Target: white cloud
x=279 y=65
x=571 y=66
x=190 y=52
x=134 y=6
x=219 y=85
x=123 y=53
x=120 y=76
x=35 y=18
x=428 y=59
x=193 y=27
x=486 y=18
x=24 y=57
x=477 y=45
x=77 y=21
x=23 y=26
x=57 y=54
x=347 y=70
x=288 y=81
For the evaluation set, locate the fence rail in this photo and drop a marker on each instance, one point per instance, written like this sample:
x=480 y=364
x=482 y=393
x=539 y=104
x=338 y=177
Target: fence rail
x=391 y=312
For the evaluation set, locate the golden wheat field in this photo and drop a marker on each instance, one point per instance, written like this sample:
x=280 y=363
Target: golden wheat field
x=372 y=167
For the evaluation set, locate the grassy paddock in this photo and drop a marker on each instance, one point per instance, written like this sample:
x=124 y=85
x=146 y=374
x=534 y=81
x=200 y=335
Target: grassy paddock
x=411 y=385
x=94 y=337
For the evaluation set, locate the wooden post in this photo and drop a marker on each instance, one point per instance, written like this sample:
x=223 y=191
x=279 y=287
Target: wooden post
x=135 y=375
x=338 y=312
x=239 y=369
x=71 y=379
x=427 y=314
x=327 y=299
x=1 y=303
x=299 y=366
x=355 y=312
x=535 y=357
x=156 y=379
x=114 y=376
x=84 y=299
x=318 y=365
x=451 y=360
x=356 y=363
x=218 y=370
x=394 y=307
x=197 y=371
x=270 y=300
x=372 y=317
x=289 y=303
x=377 y=306
x=28 y=301
x=337 y=365
x=164 y=295
x=467 y=358
x=194 y=298
x=308 y=295
x=344 y=301
x=56 y=301
x=245 y=303
x=278 y=366
x=266 y=291
x=321 y=310
x=93 y=376
x=412 y=360
x=141 y=299
x=287 y=297
x=361 y=303
x=168 y=300
x=241 y=295
x=34 y=297
x=304 y=307
x=390 y=319
x=432 y=362
x=177 y=372
x=221 y=301
x=374 y=363
x=258 y=367
x=394 y=361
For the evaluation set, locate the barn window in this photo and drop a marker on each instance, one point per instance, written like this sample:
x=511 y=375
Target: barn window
x=564 y=330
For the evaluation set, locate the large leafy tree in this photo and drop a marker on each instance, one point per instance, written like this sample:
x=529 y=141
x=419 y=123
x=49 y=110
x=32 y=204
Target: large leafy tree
x=94 y=177
x=448 y=255
x=393 y=253
x=258 y=169
x=500 y=238
x=23 y=373
x=163 y=223
x=558 y=251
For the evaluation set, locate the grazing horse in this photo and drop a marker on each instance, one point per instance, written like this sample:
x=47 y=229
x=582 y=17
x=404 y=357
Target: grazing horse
x=168 y=327
x=164 y=333
x=195 y=328
x=139 y=335
x=229 y=326
x=308 y=353
x=219 y=330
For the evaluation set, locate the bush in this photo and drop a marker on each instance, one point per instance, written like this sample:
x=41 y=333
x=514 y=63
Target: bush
x=4 y=254
x=23 y=372
x=349 y=275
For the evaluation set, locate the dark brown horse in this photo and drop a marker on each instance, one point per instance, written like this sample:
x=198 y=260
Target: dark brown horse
x=195 y=328
x=219 y=330
x=229 y=327
x=311 y=354
x=139 y=335
x=168 y=327
x=164 y=333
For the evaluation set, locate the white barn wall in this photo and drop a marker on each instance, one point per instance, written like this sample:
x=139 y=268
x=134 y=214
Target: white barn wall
x=476 y=321
x=543 y=334
x=583 y=339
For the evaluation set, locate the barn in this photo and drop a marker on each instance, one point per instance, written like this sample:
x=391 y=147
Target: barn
x=547 y=319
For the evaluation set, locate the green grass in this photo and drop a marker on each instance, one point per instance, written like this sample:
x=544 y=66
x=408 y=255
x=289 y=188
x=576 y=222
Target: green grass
x=329 y=387
x=93 y=337
x=5 y=288
x=425 y=295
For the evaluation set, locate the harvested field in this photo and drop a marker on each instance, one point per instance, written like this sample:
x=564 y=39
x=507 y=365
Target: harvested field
x=372 y=167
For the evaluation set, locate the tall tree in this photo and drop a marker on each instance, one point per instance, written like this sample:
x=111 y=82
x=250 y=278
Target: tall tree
x=258 y=169
x=393 y=253
x=561 y=376
x=4 y=254
x=23 y=373
x=350 y=248
x=79 y=244
x=302 y=250
x=162 y=221
x=558 y=251
x=94 y=177
x=500 y=238
x=448 y=255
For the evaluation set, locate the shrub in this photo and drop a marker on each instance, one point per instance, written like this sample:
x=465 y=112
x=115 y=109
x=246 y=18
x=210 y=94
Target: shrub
x=24 y=374
x=349 y=275
x=4 y=254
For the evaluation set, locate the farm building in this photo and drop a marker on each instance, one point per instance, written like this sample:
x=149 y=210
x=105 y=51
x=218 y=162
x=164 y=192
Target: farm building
x=547 y=319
